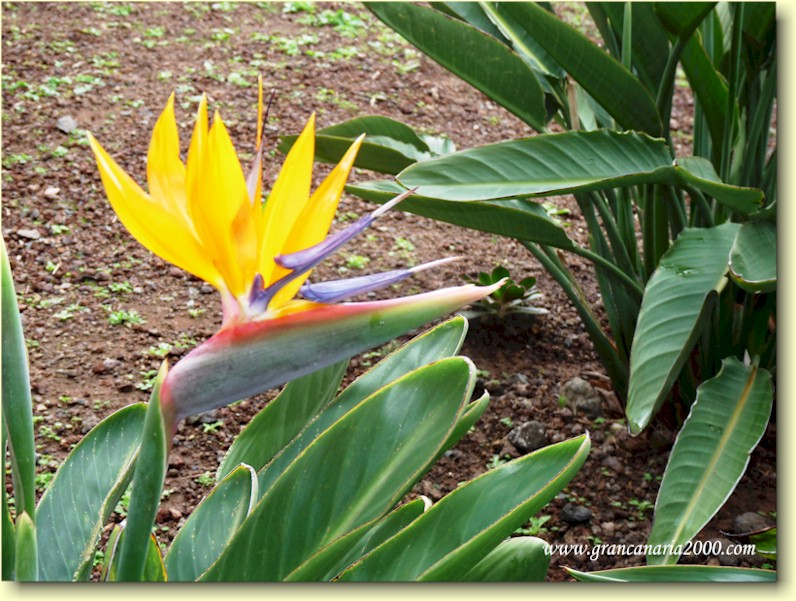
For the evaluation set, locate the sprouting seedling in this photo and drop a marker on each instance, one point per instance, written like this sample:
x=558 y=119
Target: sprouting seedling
x=511 y=297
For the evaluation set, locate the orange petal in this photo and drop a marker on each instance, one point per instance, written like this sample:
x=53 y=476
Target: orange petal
x=152 y=223
x=315 y=220
x=287 y=199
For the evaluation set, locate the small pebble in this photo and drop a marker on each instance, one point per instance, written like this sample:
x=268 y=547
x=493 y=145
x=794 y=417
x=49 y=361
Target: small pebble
x=29 y=234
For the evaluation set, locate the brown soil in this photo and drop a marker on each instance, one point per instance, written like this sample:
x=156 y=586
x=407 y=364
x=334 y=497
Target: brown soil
x=113 y=72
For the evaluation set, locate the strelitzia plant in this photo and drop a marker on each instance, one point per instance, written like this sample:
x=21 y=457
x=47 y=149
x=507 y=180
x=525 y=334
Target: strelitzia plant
x=280 y=509
x=208 y=218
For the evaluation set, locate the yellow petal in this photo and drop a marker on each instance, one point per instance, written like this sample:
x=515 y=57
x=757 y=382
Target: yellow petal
x=196 y=151
x=216 y=201
x=287 y=199
x=150 y=222
x=315 y=220
x=165 y=171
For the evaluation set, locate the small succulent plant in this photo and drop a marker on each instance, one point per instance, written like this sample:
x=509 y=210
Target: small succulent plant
x=511 y=298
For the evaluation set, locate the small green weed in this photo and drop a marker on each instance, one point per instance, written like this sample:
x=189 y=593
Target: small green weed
x=124 y=317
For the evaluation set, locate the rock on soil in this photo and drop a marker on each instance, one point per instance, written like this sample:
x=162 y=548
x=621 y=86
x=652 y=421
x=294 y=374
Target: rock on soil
x=528 y=437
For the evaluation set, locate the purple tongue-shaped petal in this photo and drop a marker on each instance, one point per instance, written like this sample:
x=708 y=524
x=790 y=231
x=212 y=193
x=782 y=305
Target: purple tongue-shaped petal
x=302 y=261
x=337 y=290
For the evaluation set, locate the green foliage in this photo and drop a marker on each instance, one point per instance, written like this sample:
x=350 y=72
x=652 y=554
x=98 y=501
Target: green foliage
x=512 y=297
x=699 y=289
x=312 y=521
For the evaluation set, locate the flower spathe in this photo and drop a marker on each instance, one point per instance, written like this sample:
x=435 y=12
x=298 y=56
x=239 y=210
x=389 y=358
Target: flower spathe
x=207 y=217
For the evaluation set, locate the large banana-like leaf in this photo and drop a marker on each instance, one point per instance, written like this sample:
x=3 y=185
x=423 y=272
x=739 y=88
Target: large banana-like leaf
x=17 y=406
x=148 y=476
x=604 y=78
x=691 y=272
x=211 y=525
x=438 y=343
x=282 y=419
x=521 y=219
x=753 y=259
x=449 y=539
x=541 y=165
x=711 y=453
x=520 y=559
x=677 y=574
x=576 y=161
x=82 y=495
x=476 y=57
x=379 y=449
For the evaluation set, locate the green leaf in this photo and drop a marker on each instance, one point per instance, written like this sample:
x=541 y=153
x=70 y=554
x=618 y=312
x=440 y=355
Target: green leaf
x=389 y=145
x=17 y=406
x=327 y=563
x=513 y=218
x=691 y=272
x=604 y=78
x=711 y=453
x=543 y=165
x=683 y=573
x=510 y=19
x=212 y=524
x=148 y=476
x=401 y=426
x=460 y=530
x=700 y=173
x=765 y=543
x=373 y=154
x=753 y=258
x=438 y=343
x=682 y=18
x=471 y=415
x=650 y=45
x=282 y=419
x=26 y=565
x=476 y=57
x=85 y=490
x=576 y=161
x=520 y=559
x=709 y=86
x=472 y=13
x=382 y=128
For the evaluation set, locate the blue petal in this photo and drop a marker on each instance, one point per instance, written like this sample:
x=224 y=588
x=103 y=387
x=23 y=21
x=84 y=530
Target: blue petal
x=337 y=290
x=302 y=261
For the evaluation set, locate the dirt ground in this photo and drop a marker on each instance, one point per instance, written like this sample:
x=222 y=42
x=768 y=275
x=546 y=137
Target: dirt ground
x=111 y=67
